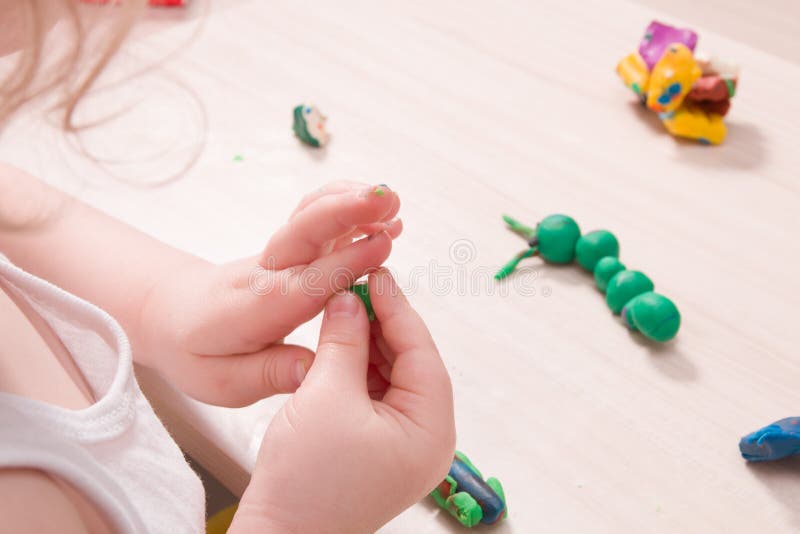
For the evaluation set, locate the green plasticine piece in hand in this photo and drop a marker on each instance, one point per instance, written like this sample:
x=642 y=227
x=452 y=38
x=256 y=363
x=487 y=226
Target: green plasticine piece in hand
x=362 y=290
x=605 y=269
x=624 y=286
x=654 y=315
x=556 y=236
x=595 y=245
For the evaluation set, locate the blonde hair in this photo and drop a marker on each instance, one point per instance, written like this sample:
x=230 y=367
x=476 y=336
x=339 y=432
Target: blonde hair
x=74 y=72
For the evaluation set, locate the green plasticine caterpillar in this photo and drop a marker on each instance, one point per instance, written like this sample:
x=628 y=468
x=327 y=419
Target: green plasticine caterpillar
x=557 y=239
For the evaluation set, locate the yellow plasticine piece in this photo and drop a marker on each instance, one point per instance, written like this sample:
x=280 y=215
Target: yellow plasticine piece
x=672 y=79
x=634 y=73
x=220 y=522
x=694 y=123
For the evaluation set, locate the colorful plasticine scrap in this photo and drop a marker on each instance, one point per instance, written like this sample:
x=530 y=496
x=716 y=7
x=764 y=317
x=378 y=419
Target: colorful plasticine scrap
x=309 y=125
x=658 y=37
x=694 y=123
x=634 y=73
x=468 y=497
x=715 y=89
x=671 y=79
x=773 y=442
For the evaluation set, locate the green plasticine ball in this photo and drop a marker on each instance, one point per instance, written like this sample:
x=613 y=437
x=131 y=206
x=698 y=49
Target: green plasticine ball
x=595 y=245
x=605 y=270
x=624 y=286
x=556 y=236
x=654 y=315
x=362 y=290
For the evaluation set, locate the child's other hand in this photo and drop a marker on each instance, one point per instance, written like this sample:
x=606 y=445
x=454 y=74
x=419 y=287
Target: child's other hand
x=349 y=450
x=217 y=332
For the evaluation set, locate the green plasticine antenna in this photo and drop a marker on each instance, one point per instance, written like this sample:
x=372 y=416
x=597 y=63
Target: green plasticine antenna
x=518 y=228
x=509 y=267
x=553 y=239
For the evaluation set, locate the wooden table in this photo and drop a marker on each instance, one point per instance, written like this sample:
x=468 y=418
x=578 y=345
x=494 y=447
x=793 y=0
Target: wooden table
x=472 y=109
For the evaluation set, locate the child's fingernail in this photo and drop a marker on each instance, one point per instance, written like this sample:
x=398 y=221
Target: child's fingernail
x=377 y=190
x=345 y=304
x=300 y=370
x=373 y=236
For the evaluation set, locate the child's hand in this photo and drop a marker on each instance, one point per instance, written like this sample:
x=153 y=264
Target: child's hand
x=216 y=331
x=336 y=460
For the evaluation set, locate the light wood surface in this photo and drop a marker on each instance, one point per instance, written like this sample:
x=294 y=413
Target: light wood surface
x=472 y=109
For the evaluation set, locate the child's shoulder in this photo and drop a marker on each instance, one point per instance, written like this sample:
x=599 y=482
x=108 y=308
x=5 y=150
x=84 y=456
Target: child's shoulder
x=60 y=507
x=24 y=200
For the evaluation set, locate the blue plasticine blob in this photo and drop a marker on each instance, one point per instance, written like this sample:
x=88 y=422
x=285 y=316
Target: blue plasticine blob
x=773 y=442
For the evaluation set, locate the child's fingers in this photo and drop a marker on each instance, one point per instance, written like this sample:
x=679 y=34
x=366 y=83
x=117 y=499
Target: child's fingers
x=378 y=360
x=394 y=228
x=247 y=307
x=300 y=240
x=420 y=386
x=333 y=188
x=343 y=351
x=261 y=306
x=240 y=380
x=376 y=383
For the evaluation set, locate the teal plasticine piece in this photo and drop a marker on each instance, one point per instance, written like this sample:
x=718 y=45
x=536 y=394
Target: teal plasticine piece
x=605 y=270
x=654 y=315
x=624 y=286
x=595 y=245
x=556 y=236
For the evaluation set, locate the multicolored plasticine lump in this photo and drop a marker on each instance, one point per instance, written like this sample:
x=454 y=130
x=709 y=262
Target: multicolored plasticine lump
x=690 y=92
x=309 y=125
x=773 y=442
x=469 y=498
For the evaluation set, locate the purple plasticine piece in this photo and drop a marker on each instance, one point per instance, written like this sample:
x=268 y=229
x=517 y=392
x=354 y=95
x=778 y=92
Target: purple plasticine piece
x=657 y=37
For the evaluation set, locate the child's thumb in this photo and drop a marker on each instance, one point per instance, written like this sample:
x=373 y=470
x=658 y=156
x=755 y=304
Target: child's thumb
x=343 y=350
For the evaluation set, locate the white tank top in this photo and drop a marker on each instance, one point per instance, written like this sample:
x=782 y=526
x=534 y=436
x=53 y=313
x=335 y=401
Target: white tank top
x=116 y=451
